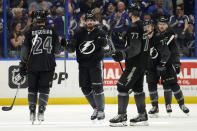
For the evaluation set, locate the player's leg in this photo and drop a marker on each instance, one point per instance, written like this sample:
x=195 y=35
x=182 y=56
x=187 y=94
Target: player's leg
x=32 y=94
x=96 y=75
x=85 y=85
x=123 y=100
x=168 y=98
x=45 y=82
x=152 y=80
x=170 y=80
x=139 y=95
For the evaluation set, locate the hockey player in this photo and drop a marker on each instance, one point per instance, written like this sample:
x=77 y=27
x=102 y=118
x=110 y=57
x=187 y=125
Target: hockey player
x=152 y=77
x=89 y=43
x=136 y=56
x=166 y=64
x=38 y=62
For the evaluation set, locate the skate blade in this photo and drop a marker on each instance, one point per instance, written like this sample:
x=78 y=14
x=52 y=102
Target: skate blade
x=156 y=115
x=142 y=123
x=187 y=114
x=169 y=114
x=40 y=122
x=122 y=124
x=33 y=122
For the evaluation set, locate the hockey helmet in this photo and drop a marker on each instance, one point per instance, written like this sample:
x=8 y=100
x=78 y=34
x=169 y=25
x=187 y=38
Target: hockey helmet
x=149 y=22
x=40 y=15
x=89 y=16
x=135 y=9
x=164 y=19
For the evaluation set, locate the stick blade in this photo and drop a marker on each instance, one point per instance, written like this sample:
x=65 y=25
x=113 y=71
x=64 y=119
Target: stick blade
x=6 y=108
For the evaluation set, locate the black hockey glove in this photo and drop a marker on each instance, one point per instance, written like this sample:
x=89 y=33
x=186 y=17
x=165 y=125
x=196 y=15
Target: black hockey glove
x=177 y=68
x=64 y=42
x=101 y=41
x=68 y=44
x=118 y=56
x=160 y=68
x=22 y=69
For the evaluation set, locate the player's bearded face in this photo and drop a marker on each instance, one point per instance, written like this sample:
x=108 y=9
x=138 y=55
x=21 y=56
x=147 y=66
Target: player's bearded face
x=90 y=23
x=162 y=26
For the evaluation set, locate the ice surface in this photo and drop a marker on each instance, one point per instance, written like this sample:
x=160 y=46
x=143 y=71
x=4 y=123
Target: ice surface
x=77 y=118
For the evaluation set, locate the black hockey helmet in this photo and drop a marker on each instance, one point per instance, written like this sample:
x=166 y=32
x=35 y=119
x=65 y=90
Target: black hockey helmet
x=40 y=15
x=89 y=16
x=135 y=9
x=163 y=19
x=149 y=22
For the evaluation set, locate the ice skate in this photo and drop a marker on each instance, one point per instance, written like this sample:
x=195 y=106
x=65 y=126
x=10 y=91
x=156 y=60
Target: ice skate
x=119 y=120
x=32 y=113
x=169 y=109
x=101 y=115
x=41 y=114
x=140 y=120
x=184 y=109
x=153 y=113
x=94 y=115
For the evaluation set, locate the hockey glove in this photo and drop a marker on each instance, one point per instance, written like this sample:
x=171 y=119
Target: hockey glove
x=64 y=42
x=68 y=44
x=22 y=69
x=101 y=41
x=177 y=68
x=118 y=56
x=160 y=68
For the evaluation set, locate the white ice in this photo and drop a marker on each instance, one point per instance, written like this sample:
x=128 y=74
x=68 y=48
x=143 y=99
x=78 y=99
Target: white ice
x=77 y=118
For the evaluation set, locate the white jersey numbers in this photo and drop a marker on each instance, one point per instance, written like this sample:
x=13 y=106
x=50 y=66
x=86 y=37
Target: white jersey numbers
x=40 y=46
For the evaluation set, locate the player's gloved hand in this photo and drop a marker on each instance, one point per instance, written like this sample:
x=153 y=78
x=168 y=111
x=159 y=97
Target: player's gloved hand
x=68 y=44
x=64 y=42
x=22 y=69
x=177 y=68
x=118 y=55
x=160 y=68
x=101 y=41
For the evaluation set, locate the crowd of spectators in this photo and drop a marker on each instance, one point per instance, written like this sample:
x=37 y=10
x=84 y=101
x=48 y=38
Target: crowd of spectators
x=111 y=16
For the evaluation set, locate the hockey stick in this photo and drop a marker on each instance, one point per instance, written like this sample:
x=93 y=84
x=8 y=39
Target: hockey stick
x=113 y=47
x=5 y=108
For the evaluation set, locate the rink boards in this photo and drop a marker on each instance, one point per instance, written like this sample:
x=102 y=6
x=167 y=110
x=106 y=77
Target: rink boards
x=68 y=91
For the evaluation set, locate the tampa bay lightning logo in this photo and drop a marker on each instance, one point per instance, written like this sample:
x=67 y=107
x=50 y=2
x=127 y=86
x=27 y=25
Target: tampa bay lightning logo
x=87 y=47
x=153 y=53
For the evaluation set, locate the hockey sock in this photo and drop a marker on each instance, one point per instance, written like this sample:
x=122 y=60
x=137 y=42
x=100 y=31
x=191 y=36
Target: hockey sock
x=178 y=94
x=90 y=98
x=140 y=102
x=179 y=97
x=43 y=100
x=168 y=96
x=123 y=100
x=100 y=101
x=154 y=98
x=32 y=98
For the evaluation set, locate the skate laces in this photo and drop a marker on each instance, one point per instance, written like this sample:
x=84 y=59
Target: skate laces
x=95 y=112
x=168 y=107
x=183 y=107
x=153 y=108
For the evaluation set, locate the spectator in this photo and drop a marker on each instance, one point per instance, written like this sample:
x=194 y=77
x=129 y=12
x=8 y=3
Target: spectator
x=167 y=4
x=110 y=10
x=119 y=22
x=15 y=40
x=40 y=5
x=189 y=50
x=100 y=22
x=1 y=39
x=179 y=23
x=82 y=20
x=157 y=10
x=59 y=21
x=20 y=16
